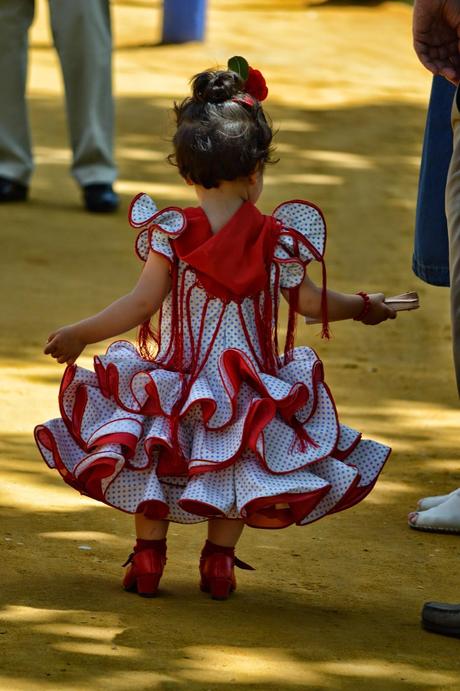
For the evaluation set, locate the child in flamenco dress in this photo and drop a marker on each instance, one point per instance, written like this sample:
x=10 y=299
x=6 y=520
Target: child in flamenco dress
x=214 y=424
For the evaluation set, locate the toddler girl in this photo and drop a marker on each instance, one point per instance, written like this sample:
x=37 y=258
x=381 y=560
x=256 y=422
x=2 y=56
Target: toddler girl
x=207 y=420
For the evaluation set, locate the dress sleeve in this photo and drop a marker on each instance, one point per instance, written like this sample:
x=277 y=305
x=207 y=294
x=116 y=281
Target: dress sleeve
x=301 y=239
x=157 y=228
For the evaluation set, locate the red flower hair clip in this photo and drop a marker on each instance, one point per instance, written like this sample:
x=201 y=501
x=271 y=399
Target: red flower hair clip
x=254 y=82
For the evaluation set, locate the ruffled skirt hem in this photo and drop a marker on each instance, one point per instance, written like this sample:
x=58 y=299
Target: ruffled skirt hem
x=243 y=445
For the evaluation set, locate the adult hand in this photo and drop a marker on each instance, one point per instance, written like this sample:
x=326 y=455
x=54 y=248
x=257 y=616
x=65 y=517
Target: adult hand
x=436 y=31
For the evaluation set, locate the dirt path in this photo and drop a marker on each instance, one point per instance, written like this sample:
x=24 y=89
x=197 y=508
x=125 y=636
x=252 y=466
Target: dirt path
x=332 y=606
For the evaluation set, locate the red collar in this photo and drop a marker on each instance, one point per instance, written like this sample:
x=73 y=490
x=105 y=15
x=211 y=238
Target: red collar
x=234 y=262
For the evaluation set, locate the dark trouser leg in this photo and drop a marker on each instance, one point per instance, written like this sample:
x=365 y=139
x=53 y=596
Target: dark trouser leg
x=431 y=251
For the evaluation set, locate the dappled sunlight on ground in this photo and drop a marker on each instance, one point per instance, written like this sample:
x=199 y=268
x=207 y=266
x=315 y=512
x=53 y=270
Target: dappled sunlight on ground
x=156 y=189
x=255 y=666
x=71 y=635
x=86 y=536
x=273 y=666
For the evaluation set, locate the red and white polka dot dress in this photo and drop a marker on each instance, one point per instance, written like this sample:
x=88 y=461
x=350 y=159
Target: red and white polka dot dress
x=217 y=423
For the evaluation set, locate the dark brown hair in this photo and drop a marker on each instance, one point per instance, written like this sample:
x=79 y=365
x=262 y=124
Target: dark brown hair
x=218 y=138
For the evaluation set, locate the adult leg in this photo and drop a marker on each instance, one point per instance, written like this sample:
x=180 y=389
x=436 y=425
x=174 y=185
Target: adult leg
x=431 y=251
x=446 y=516
x=82 y=37
x=453 y=222
x=15 y=150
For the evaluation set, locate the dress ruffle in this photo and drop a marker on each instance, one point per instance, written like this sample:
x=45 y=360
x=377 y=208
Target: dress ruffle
x=247 y=460
x=221 y=438
x=302 y=239
x=158 y=227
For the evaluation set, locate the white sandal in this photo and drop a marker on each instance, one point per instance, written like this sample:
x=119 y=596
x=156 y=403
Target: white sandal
x=430 y=502
x=443 y=518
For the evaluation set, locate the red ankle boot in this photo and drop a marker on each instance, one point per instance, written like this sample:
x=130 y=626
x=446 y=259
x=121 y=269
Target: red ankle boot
x=217 y=570
x=146 y=567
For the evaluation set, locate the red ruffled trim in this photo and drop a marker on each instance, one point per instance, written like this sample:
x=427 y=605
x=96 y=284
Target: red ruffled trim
x=262 y=512
x=235 y=369
x=89 y=483
x=149 y=223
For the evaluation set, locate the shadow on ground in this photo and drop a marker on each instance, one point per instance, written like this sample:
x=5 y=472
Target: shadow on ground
x=308 y=617
x=319 y=612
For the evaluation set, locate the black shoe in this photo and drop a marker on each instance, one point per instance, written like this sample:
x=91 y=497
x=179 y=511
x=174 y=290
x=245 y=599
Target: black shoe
x=100 y=198
x=12 y=191
x=442 y=618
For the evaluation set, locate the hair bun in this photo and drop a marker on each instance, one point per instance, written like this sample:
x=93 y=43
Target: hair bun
x=216 y=86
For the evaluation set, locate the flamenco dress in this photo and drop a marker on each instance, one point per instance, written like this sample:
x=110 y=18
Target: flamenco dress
x=217 y=423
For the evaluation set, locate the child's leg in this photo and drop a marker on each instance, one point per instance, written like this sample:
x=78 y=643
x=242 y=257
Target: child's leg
x=148 y=558
x=225 y=531
x=146 y=529
x=218 y=557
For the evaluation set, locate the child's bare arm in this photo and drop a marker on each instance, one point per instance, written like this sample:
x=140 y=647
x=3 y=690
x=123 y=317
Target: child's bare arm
x=340 y=305
x=66 y=344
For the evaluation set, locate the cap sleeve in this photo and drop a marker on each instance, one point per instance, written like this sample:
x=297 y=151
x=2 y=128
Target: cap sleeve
x=157 y=228
x=301 y=239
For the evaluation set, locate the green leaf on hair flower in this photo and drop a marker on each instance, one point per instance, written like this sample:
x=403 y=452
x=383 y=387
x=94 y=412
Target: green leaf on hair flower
x=240 y=66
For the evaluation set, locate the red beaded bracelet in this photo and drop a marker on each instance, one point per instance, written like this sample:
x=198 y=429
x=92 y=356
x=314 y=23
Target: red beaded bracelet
x=366 y=307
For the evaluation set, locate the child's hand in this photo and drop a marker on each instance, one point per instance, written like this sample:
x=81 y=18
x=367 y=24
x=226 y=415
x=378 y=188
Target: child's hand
x=379 y=311
x=64 y=345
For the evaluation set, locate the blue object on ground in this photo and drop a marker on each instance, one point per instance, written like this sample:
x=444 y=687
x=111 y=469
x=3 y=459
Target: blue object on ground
x=183 y=20
x=431 y=247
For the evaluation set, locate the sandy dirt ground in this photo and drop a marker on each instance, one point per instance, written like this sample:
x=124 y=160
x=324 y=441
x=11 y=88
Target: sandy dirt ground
x=331 y=606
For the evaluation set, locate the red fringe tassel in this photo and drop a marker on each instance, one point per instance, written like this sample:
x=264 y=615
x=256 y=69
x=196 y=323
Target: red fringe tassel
x=325 y=332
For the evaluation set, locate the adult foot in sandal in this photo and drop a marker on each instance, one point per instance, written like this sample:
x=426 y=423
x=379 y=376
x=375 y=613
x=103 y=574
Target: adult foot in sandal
x=431 y=502
x=442 y=518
